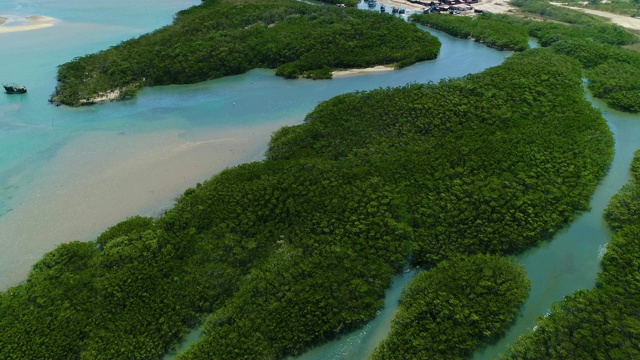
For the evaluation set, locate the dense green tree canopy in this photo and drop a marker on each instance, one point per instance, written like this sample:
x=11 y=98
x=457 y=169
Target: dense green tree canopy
x=297 y=249
x=603 y=323
x=499 y=31
x=612 y=71
x=451 y=309
x=227 y=37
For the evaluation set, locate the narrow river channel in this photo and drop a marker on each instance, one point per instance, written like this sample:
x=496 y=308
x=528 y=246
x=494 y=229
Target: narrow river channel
x=557 y=268
x=34 y=134
x=468 y=57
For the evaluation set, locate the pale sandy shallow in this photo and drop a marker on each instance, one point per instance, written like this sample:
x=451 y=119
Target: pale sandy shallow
x=622 y=20
x=28 y=23
x=103 y=178
x=354 y=72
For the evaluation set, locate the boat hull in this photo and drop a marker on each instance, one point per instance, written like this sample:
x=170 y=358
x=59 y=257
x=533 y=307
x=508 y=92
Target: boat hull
x=11 y=89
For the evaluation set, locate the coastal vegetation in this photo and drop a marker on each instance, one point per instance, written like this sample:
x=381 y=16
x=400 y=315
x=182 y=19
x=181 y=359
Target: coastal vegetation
x=448 y=311
x=624 y=7
x=284 y=254
x=226 y=37
x=611 y=70
x=495 y=30
x=602 y=323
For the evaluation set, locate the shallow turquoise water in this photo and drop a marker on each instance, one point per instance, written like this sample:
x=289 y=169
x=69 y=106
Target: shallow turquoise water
x=571 y=260
x=32 y=132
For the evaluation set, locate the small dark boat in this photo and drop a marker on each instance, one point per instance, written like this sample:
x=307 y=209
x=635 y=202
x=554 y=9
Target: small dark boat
x=14 y=89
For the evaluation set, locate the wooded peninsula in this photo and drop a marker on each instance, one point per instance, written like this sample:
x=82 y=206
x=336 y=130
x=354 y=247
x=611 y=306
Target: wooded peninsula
x=228 y=37
x=277 y=256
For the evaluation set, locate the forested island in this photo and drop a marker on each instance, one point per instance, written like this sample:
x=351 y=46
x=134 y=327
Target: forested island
x=227 y=37
x=280 y=255
x=299 y=248
x=455 y=307
x=602 y=323
x=613 y=71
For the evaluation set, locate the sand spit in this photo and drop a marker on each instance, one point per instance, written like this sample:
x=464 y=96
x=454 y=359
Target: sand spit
x=495 y=6
x=354 y=72
x=103 y=178
x=622 y=20
x=17 y=23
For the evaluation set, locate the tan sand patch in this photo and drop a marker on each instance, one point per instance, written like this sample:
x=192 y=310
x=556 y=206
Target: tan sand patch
x=103 y=178
x=622 y=20
x=371 y=70
x=33 y=22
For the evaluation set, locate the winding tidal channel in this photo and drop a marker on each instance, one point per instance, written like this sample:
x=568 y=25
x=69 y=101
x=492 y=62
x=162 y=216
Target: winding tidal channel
x=47 y=150
x=557 y=268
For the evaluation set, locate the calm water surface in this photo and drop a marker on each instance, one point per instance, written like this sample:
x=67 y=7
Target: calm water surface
x=32 y=132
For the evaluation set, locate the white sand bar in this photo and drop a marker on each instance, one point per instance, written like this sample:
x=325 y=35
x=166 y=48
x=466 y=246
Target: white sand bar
x=353 y=72
x=11 y=23
x=103 y=178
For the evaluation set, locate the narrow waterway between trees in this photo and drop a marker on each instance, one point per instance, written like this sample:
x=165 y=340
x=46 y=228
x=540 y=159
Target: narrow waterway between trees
x=568 y=262
x=557 y=268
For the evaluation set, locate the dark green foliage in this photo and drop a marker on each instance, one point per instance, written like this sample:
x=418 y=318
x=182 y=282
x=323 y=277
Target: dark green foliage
x=624 y=207
x=618 y=84
x=546 y=9
x=613 y=76
x=571 y=24
x=458 y=26
x=49 y=316
x=455 y=307
x=332 y=288
x=625 y=7
x=225 y=37
x=497 y=31
x=603 y=323
x=467 y=164
x=292 y=251
x=612 y=71
x=135 y=225
x=586 y=325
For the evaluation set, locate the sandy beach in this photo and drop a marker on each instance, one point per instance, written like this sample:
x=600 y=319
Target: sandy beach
x=354 y=72
x=495 y=6
x=503 y=6
x=103 y=178
x=27 y=23
x=622 y=20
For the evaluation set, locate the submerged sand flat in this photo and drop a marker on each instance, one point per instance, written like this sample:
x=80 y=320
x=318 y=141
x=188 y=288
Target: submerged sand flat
x=10 y=23
x=103 y=178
